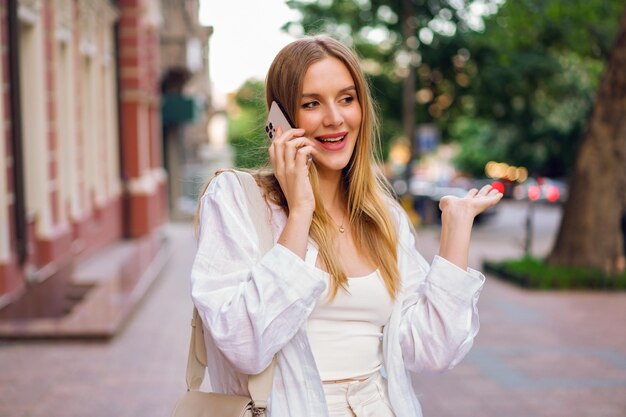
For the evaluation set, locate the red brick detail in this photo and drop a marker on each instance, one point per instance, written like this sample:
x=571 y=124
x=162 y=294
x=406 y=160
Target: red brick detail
x=102 y=228
x=130 y=140
x=140 y=215
x=130 y=20
x=145 y=212
x=54 y=249
x=54 y=207
x=84 y=237
x=11 y=278
x=130 y=83
x=51 y=105
x=139 y=70
x=129 y=62
x=129 y=42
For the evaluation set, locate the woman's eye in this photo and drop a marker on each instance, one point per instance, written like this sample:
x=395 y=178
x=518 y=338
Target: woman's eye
x=348 y=99
x=309 y=104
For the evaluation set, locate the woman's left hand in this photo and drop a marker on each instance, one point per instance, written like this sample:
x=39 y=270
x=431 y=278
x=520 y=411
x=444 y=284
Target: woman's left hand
x=474 y=202
x=457 y=217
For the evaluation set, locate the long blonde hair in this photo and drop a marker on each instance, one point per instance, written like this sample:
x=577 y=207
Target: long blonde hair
x=366 y=189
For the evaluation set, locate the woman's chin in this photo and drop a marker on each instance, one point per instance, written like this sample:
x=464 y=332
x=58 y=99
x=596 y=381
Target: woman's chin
x=330 y=165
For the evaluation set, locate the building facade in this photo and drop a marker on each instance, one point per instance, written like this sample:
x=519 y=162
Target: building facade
x=82 y=185
x=187 y=104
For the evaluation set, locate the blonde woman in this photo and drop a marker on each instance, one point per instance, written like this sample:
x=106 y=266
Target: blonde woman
x=343 y=299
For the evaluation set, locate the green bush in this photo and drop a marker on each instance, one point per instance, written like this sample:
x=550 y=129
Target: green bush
x=535 y=273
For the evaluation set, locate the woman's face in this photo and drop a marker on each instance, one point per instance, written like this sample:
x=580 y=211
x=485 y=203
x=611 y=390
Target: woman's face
x=330 y=113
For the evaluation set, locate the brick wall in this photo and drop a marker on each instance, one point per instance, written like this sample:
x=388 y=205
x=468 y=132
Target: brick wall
x=87 y=227
x=140 y=119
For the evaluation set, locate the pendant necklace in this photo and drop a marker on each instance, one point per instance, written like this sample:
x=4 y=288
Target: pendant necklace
x=341 y=228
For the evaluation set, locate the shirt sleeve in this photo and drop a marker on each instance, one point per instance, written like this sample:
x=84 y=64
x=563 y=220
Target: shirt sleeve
x=439 y=315
x=252 y=305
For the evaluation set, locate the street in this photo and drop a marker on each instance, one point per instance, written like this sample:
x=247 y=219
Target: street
x=538 y=354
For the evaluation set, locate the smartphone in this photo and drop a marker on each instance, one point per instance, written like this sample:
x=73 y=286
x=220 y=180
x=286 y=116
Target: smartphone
x=277 y=117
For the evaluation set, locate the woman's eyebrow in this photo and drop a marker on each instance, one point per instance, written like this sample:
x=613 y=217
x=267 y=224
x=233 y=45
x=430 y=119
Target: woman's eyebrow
x=343 y=90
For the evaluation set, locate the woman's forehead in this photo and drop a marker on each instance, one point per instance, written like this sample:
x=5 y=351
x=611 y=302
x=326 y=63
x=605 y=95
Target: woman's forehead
x=327 y=74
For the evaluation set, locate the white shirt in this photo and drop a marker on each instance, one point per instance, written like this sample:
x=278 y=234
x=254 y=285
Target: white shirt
x=255 y=307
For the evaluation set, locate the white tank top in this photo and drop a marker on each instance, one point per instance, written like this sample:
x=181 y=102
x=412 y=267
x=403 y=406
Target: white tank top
x=346 y=333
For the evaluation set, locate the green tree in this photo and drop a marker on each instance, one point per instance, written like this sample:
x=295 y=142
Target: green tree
x=375 y=30
x=590 y=234
x=537 y=68
x=523 y=71
x=246 y=126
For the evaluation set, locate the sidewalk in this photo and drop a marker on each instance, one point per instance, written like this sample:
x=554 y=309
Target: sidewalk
x=139 y=373
x=538 y=354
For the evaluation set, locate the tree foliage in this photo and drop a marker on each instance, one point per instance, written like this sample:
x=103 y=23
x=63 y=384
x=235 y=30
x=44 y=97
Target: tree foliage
x=538 y=65
x=246 y=124
x=373 y=28
x=512 y=82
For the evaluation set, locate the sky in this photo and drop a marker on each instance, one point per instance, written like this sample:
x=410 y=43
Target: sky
x=245 y=39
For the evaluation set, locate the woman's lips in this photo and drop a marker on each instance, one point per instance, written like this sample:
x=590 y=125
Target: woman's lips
x=333 y=141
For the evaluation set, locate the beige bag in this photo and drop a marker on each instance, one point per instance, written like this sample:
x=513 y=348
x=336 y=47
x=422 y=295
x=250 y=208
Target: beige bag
x=195 y=403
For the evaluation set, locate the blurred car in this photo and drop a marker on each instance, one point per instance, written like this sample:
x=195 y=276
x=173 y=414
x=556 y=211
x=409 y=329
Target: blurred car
x=426 y=196
x=542 y=189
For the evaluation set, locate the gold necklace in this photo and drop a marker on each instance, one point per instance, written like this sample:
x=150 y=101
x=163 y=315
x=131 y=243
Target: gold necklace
x=341 y=228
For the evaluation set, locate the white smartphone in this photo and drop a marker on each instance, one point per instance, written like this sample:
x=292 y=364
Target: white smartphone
x=277 y=117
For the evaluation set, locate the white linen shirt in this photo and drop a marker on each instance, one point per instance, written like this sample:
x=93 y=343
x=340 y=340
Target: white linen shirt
x=255 y=307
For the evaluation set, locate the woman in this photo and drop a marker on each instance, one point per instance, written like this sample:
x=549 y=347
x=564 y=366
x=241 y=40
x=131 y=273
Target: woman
x=343 y=298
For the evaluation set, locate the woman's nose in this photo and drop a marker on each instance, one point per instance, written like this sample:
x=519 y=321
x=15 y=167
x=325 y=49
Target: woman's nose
x=333 y=116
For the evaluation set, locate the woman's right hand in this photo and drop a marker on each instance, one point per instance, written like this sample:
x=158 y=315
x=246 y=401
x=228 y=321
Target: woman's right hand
x=289 y=155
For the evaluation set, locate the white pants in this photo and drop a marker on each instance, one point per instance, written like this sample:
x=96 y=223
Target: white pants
x=367 y=398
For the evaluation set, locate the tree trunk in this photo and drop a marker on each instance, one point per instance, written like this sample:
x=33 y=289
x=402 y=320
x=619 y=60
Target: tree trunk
x=590 y=234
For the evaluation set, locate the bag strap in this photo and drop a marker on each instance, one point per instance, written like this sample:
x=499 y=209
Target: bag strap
x=259 y=385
